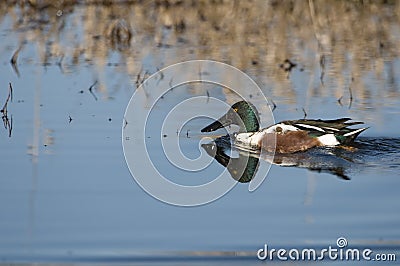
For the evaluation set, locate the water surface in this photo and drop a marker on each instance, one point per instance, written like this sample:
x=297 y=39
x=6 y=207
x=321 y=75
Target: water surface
x=66 y=193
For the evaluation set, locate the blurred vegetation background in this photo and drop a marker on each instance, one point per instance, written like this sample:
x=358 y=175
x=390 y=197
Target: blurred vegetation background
x=325 y=38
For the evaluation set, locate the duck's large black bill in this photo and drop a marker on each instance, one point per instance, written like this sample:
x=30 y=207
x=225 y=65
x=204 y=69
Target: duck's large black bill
x=213 y=126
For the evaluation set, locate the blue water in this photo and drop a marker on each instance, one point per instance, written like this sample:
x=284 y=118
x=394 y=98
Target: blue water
x=66 y=193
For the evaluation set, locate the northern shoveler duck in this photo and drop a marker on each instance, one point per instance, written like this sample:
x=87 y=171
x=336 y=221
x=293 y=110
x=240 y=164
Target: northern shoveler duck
x=287 y=136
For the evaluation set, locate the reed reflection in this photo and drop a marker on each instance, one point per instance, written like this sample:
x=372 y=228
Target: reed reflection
x=257 y=37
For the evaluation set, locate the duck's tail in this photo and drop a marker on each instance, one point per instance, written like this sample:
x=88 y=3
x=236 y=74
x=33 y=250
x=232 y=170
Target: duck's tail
x=349 y=136
x=338 y=127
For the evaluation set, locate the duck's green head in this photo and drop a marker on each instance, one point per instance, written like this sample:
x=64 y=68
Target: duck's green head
x=242 y=113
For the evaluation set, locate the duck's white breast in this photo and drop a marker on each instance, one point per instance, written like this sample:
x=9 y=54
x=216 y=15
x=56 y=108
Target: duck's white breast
x=252 y=139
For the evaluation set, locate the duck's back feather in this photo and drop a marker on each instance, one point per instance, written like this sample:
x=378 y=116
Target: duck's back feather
x=338 y=127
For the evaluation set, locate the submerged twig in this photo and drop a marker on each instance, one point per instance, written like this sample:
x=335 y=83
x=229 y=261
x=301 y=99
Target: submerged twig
x=59 y=64
x=7 y=122
x=91 y=90
x=138 y=78
x=340 y=100
x=144 y=76
x=273 y=105
x=305 y=114
x=161 y=75
x=141 y=79
x=322 y=65
x=14 y=59
x=351 y=97
x=10 y=89
x=10 y=126
x=125 y=122
x=9 y=97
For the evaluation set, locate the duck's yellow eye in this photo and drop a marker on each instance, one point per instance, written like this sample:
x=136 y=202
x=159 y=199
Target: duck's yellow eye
x=235 y=109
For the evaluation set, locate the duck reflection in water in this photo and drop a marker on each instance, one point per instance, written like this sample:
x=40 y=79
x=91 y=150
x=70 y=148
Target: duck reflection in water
x=242 y=168
x=244 y=165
